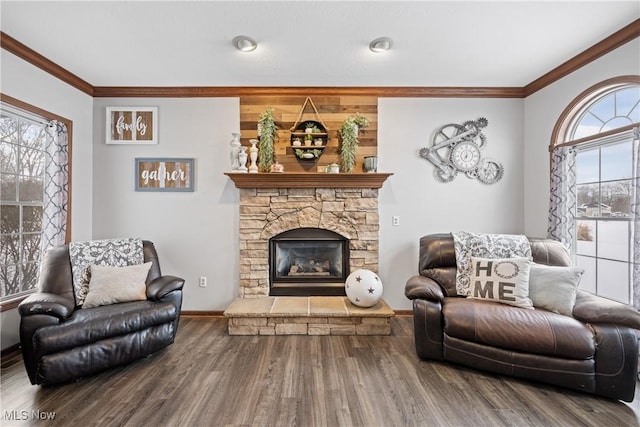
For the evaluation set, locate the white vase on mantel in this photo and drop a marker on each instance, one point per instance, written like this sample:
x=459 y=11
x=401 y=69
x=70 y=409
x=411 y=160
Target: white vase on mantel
x=253 y=155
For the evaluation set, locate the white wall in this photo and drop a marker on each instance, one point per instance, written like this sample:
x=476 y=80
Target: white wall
x=196 y=234
x=541 y=112
x=426 y=205
x=33 y=86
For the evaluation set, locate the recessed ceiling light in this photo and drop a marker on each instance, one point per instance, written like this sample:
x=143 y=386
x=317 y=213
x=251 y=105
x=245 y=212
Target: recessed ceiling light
x=244 y=43
x=381 y=44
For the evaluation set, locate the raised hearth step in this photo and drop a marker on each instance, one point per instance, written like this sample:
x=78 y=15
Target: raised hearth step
x=306 y=316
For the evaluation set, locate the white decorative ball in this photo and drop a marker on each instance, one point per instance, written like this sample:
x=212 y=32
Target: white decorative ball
x=363 y=288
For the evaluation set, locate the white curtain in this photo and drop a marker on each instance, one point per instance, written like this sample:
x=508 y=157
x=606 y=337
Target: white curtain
x=562 y=203
x=56 y=185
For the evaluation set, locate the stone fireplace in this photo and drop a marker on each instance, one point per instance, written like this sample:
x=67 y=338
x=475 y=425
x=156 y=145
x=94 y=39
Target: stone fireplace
x=351 y=213
x=306 y=230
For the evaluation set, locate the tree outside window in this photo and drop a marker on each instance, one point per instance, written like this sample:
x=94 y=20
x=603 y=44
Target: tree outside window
x=22 y=164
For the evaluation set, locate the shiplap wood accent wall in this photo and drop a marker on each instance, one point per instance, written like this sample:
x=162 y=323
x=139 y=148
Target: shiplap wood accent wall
x=333 y=110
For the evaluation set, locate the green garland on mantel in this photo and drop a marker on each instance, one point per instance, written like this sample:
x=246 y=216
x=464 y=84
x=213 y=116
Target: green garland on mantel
x=349 y=137
x=268 y=132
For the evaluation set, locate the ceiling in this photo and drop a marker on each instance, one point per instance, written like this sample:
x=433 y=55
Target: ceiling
x=312 y=43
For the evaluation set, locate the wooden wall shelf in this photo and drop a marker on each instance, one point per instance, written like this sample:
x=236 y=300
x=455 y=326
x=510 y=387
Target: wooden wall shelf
x=308 y=180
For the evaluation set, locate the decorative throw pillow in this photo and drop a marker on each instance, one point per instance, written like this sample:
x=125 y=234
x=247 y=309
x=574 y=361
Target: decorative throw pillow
x=554 y=288
x=110 y=285
x=504 y=280
x=113 y=252
x=468 y=244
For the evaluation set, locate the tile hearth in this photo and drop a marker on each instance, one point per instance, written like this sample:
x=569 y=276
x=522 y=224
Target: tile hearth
x=306 y=316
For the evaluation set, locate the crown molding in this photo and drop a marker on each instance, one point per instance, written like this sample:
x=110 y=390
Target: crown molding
x=615 y=40
x=599 y=49
x=378 y=91
x=22 y=51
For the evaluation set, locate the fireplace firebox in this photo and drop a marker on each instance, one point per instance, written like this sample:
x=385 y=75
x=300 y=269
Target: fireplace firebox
x=308 y=262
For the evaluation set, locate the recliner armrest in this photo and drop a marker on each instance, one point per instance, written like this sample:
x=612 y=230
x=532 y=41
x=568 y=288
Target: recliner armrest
x=591 y=308
x=162 y=285
x=421 y=287
x=46 y=303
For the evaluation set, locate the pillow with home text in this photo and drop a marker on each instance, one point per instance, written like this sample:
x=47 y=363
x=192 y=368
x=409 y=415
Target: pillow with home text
x=503 y=280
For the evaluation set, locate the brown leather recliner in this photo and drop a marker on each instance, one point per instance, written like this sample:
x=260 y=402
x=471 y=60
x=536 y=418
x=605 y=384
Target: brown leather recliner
x=595 y=351
x=61 y=342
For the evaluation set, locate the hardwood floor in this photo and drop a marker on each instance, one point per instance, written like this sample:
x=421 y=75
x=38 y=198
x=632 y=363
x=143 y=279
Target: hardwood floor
x=208 y=378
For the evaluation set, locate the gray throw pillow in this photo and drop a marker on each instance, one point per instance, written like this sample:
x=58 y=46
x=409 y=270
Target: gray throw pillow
x=554 y=288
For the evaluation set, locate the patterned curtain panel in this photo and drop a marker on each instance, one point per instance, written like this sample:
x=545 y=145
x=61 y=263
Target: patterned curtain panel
x=635 y=212
x=56 y=185
x=562 y=205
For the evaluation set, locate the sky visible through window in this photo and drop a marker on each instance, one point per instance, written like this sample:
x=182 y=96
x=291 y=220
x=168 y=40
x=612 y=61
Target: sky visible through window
x=615 y=110
x=616 y=163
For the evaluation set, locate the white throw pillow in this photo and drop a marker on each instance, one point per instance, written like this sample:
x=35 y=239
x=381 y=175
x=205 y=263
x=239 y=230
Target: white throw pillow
x=554 y=288
x=504 y=280
x=110 y=285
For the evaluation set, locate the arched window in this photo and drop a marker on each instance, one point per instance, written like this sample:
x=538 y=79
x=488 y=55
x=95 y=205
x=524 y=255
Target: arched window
x=613 y=109
x=600 y=127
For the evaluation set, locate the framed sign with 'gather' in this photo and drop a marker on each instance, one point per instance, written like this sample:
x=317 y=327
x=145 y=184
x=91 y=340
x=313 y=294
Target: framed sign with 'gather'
x=164 y=174
x=132 y=125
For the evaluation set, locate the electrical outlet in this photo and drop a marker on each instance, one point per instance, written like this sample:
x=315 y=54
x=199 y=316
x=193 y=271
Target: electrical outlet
x=395 y=220
x=203 y=281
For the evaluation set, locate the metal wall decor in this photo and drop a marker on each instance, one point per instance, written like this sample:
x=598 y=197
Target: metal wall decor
x=456 y=148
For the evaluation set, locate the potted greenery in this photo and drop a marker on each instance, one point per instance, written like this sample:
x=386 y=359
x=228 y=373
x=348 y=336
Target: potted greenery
x=349 y=136
x=268 y=131
x=308 y=139
x=309 y=127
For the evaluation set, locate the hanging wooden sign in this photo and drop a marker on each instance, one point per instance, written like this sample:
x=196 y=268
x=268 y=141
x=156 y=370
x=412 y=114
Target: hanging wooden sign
x=164 y=174
x=132 y=125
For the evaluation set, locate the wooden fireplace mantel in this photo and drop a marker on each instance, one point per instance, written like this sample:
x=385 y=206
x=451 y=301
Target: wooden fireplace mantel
x=308 y=180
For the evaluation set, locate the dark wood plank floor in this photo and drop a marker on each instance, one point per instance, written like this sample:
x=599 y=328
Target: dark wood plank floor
x=208 y=378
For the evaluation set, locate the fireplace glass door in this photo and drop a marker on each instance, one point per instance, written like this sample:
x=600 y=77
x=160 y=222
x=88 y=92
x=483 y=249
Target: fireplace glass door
x=308 y=261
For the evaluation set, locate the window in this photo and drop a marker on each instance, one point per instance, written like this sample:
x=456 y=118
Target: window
x=33 y=194
x=611 y=110
x=22 y=169
x=604 y=227
x=599 y=125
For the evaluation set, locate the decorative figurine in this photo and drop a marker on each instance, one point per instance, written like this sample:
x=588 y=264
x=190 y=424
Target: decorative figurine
x=235 y=150
x=277 y=168
x=253 y=155
x=242 y=158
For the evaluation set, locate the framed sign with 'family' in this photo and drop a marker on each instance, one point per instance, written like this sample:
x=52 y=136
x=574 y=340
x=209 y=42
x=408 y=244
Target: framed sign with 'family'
x=164 y=174
x=132 y=125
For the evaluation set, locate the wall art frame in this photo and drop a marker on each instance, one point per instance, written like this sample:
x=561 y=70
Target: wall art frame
x=132 y=125
x=165 y=174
